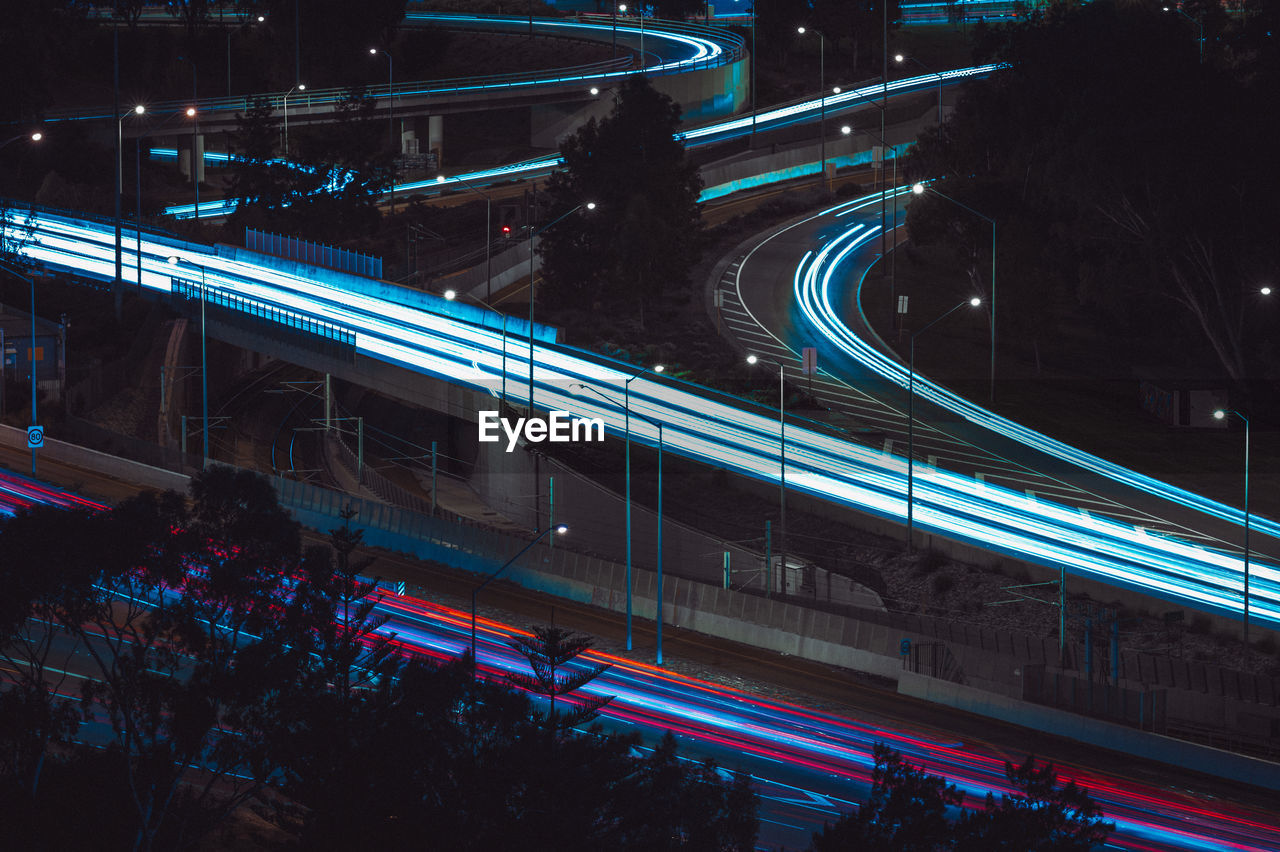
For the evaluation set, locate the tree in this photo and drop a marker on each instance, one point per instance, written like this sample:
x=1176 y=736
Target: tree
x=346 y=170
x=1039 y=816
x=173 y=608
x=907 y=811
x=644 y=234
x=260 y=183
x=548 y=650
x=1092 y=163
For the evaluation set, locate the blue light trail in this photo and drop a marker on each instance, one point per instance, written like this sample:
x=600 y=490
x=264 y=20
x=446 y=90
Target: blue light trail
x=704 y=426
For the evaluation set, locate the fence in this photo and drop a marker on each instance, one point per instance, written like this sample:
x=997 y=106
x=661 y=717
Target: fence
x=281 y=324
x=313 y=253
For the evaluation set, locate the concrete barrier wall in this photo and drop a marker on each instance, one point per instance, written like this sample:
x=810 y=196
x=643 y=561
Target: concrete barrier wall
x=1221 y=764
x=517 y=485
x=82 y=457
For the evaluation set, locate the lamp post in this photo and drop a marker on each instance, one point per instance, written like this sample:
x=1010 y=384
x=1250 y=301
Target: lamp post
x=1199 y=22
x=488 y=233
x=911 y=414
x=900 y=58
x=559 y=530
x=391 y=122
x=590 y=205
x=31 y=137
x=204 y=360
x=1221 y=414
x=657 y=424
x=301 y=87
x=452 y=295
x=884 y=202
x=782 y=471
x=822 y=94
x=32 y=360
x=893 y=266
x=259 y=19
x=138 y=110
x=918 y=189
x=626 y=409
x=137 y=188
x=622 y=7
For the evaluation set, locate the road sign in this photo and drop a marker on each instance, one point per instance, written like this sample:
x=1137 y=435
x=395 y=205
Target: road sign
x=35 y=437
x=904 y=647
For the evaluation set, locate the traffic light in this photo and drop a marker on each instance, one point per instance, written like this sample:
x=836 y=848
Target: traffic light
x=506 y=230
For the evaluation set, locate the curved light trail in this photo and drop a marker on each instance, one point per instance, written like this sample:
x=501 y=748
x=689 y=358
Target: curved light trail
x=428 y=336
x=803 y=112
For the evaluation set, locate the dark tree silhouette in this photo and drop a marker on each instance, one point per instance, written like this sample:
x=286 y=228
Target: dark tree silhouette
x=548 y=651
x=644 y=234
x=1039 y=816
x=908 y=811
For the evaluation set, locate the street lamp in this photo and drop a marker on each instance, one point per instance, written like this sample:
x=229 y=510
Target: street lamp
x=204 y=360
x=880 y=180
x=782 y=470
x=488 y=234
x=657 y=424
x=622 y=7
x=900 y=58
x=911 y=413
x=391 y=123
x=32 y=360
x=1199 y=22
x=190 y=112
x=893 y=266
x=918 y=189
x=259 y=19
x=590 y=205
x=301 y=87
x=822 y=93
x=451 y=295
x=626 y=408
x=560 y=529
x=1222 y=414
x=138 y=110
x=30 y=137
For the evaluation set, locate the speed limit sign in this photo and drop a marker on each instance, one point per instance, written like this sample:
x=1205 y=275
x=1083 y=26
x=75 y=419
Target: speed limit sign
x=35 y=437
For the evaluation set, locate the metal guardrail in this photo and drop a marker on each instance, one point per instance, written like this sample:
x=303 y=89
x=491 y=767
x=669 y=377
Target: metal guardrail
x=326 y=337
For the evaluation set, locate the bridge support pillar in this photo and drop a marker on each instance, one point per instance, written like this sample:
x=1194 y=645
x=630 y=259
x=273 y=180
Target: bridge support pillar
x=185 y=144
x=435 y=139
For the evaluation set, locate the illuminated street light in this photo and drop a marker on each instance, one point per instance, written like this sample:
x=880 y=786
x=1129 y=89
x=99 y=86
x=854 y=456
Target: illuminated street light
x=900 y=58
x=911 y=414
x=822 y=95
x=626 y=409
x=301 y=87
x=589 y=205
x=138 y=110
x=919 y=189
x=559 y=529
x=782 y=474
x=1221 y=414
